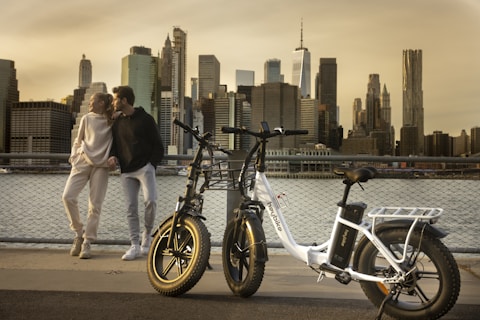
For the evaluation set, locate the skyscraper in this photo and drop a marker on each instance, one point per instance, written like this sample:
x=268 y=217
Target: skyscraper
x=8 y=95
x=244 y=78
x=475 y=140
x=358 y=118
x=309 y=120
x=386 y=116
x=438 y=144
x=85 y=73
x=170 y=94
x=372 y=131
x=227 y=112
x=326 y=93
x=180 y=65
x=461 y=144
x=84 y=81
x=385 y=107
x=165 y=95
x=165 y=70
x=326 y=86
x=413 y=99
x=272 y=71
x=277 y=103
x=208 y=76
x=40 y=127
x=194 y=89
x=139 y=71
x=372 y=102
x=301 y=75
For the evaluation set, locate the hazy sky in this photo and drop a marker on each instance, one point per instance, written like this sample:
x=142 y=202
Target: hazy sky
x=46 y=39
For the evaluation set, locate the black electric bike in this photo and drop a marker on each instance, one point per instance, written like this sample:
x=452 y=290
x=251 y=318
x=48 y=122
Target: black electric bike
x=180 y=247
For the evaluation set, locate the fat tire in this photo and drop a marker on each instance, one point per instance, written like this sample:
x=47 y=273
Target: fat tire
x=243 y=272
x=433 y=256
x=172 y=273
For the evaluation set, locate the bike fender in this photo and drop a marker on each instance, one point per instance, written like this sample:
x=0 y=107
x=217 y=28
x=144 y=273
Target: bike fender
x=406 y=223
x=260 y=242
x=193 y=214
x=161 y=224
x=396 y=224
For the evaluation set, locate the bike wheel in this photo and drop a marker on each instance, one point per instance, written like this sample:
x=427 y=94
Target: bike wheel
x=432 y=283
x=175 y=270
x=243 y=272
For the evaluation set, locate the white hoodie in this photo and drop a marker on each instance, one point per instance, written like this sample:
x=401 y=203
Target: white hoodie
x=94 y=140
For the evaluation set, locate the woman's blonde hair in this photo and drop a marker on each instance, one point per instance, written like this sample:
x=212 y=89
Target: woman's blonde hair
x=107 y=98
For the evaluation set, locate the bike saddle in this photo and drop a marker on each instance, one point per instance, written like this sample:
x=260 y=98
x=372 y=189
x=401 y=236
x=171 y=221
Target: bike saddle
x=356 y=174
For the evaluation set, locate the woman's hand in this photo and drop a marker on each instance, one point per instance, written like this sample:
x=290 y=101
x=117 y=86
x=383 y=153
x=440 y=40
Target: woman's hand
x=112 y=163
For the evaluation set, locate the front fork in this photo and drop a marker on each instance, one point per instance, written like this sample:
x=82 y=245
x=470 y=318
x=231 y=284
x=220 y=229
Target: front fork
x=249 y=218
x=193 y=207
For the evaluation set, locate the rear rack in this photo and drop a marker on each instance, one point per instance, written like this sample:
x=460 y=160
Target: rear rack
x=221 y=176
x=405 y=213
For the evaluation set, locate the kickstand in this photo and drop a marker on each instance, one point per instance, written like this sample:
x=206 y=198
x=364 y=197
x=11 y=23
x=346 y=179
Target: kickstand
x=380 y=310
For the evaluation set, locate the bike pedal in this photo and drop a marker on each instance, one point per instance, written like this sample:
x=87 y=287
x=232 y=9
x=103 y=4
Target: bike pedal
x=343 y=278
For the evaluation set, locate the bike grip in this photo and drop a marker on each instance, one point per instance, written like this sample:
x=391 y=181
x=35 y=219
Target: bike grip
x=295 y=132
x=230 y=130
x=180 y=124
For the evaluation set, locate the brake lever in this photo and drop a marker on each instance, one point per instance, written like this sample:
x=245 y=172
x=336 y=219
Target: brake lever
x=225 y=151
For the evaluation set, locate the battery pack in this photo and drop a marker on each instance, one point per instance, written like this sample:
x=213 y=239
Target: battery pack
x=344 y=238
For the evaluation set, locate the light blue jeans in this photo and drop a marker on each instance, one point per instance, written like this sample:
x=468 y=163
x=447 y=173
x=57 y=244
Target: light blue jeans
x=132 y=182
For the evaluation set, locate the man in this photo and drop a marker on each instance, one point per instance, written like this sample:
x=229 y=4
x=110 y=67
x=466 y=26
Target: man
x=137 y=148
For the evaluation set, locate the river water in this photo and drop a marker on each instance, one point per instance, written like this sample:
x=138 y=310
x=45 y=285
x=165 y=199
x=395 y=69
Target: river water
x=31 y=206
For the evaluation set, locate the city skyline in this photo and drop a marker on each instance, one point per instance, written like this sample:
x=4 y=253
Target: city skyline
x=365 y=38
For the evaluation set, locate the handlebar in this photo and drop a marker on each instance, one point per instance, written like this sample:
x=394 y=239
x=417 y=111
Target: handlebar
x=263 y=134
x=182 y=125
x=203 y=139
x=259 y=146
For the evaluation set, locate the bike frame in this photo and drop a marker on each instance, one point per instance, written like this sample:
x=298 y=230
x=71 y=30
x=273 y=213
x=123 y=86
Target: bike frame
x=192 y=200
x=322 y=254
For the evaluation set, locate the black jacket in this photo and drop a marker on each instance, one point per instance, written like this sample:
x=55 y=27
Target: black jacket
x=136 y=141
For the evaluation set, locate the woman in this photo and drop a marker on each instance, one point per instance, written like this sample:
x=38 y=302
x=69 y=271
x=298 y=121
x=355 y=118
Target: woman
x=88 y=158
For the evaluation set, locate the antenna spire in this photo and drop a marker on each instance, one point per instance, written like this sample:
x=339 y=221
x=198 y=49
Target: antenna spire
x=301 y=38
x=301 y=33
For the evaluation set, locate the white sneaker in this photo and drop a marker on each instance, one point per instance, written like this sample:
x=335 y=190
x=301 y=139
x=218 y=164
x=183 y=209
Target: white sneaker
x=146 y=241
x=85 y=253
x=132 y=253
x=76 y=246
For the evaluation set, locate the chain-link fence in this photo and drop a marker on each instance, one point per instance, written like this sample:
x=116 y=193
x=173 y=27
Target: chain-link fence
x=31 y=209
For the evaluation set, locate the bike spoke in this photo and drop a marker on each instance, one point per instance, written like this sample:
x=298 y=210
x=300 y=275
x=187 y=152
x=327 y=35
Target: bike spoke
x=168 y=266
x=244 y=262
x=178 y=263
x=421 y=294
x=240 y=271
x=428 y=275
x=180 y=247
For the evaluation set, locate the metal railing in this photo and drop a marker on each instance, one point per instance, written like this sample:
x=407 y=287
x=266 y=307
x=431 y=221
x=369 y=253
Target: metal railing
x=31 y=210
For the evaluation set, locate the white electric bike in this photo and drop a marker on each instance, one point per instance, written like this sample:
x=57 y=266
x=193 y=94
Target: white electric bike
x=401 y=264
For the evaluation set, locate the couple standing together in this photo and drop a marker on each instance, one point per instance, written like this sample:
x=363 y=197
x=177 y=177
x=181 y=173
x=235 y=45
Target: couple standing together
x=131 y=141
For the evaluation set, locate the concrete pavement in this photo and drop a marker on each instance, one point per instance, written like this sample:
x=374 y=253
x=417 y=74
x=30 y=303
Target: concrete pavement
x=53 y=270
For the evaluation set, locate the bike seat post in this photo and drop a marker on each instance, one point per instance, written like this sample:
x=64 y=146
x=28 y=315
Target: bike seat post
x=346 y=191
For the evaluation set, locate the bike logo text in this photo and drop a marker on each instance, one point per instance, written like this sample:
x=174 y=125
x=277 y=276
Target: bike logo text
x=274 y=216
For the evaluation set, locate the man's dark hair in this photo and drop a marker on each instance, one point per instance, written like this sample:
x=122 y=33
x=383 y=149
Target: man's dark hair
x=125 y=92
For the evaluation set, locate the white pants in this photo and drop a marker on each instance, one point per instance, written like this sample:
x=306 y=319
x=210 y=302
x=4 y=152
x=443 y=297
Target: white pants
x=81 y=173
